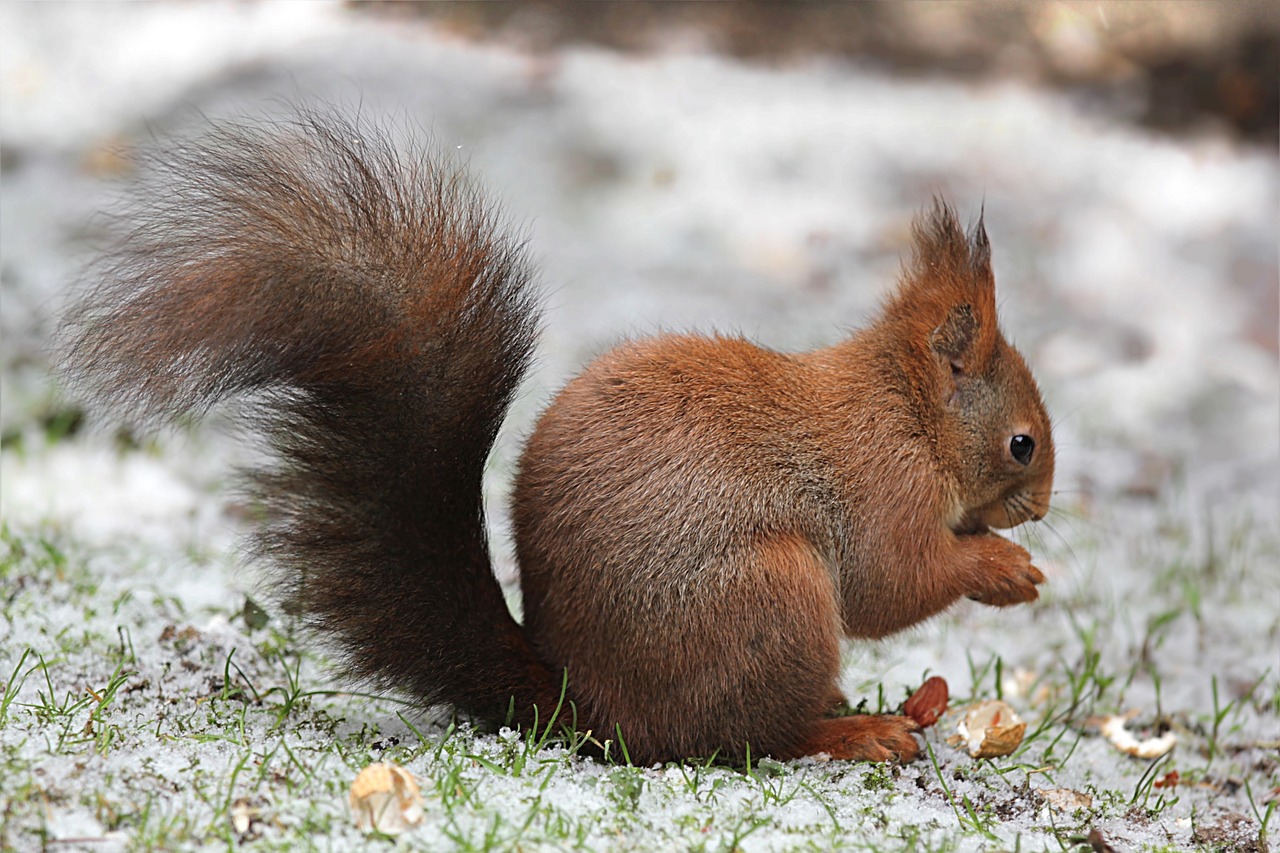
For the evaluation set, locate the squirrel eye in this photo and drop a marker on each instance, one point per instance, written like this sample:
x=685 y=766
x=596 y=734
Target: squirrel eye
x=1022 y=446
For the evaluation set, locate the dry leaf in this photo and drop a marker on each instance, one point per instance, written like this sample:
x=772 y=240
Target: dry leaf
x=1066 y=800
x=990 y=729
x=384 y=798
x=1122 y=739
x=928 y=703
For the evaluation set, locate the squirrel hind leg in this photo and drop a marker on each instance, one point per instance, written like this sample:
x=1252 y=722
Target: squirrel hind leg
x=743 y=668
x=864 y=737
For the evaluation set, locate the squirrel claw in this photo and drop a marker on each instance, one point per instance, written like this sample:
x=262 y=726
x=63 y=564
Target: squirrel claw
x=1017 y=587
x=1001 y=573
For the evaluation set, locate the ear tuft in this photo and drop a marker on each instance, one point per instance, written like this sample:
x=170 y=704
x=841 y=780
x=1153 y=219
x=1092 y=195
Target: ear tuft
x=980 y=247
x=941 y=246
x=945 y=303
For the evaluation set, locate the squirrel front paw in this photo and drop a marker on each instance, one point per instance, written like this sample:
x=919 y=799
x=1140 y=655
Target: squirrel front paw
x=1003 y=573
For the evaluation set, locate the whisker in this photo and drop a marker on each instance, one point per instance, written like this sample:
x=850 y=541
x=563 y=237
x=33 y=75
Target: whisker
x=1066 y=543
x=1023 y=505
x=1064 y=512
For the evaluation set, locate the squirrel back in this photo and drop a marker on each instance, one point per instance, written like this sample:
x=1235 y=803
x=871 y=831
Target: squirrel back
x=698 y=520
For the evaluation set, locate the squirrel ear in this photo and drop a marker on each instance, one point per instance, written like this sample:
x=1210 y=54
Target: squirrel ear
x=955 y=336
x=947 y=294
x=949 y=264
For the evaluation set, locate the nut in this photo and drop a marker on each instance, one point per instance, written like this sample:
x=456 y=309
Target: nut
x=990 y=729
x=928 y=703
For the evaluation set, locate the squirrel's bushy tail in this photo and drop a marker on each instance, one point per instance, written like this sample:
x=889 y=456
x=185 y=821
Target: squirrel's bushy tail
x=371 y=304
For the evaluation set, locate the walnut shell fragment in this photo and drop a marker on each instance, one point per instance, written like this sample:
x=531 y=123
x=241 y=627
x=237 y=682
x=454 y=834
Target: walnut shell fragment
x=1113 y=729
x=928 y=703
x=384 y=798
x=989 y=730
x=247 y=817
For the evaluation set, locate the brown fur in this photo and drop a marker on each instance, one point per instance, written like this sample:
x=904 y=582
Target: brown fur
x=698 y=520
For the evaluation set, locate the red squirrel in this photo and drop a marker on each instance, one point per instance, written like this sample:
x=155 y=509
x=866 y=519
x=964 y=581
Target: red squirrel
x=698 y=520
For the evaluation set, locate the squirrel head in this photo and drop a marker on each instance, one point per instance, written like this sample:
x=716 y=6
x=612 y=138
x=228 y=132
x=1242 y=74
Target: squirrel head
x=970 y=389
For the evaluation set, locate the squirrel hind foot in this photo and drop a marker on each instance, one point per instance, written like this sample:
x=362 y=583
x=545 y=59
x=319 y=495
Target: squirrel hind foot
x=863 y=737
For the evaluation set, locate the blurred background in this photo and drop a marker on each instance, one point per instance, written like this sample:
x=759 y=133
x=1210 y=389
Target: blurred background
x=1182 y=67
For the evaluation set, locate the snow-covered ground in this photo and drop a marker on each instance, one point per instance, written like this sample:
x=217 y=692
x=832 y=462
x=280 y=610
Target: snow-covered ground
x=683 y=190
